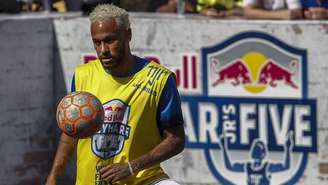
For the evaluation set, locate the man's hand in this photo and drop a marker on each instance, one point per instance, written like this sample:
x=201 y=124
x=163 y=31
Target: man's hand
x=316 y=13
x=294 y=14
x=115 y=172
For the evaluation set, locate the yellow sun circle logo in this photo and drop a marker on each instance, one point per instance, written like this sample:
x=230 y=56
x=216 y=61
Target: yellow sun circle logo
x=254 y=61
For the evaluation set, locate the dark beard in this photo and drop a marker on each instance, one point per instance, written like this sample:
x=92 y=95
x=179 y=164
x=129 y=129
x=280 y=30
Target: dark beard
x=119 y=60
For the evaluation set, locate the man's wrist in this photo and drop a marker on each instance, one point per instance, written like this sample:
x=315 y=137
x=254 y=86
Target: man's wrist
x=134 y=167
x=325 y=14
x=130 y=168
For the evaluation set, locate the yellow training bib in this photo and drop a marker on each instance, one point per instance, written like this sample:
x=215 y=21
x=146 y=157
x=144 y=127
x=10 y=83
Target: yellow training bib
x=130 y=127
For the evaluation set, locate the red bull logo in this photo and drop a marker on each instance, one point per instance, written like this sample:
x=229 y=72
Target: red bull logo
x=114 y=108
x=272 y=72
x=254 y=71
x=109 y=141
x=237 y=71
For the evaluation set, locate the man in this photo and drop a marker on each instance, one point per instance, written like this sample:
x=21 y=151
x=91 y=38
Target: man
x=10 y=6
x=219 y=8
x=272 y=9
x=171 y=6
x=315 y=9
x=88 y=5
x=143 y=121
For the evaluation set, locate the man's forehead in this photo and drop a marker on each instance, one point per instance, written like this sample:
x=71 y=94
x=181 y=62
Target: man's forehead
x=105 y=26
x=105 y=22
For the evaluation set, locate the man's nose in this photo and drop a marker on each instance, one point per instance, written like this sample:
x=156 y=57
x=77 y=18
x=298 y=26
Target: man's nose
x=104 y=48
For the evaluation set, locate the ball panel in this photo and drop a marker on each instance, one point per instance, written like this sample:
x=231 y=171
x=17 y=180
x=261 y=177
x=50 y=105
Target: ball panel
x=66 y=101
x=72 y=113
x=60 y=116
x=82 y=125
x=80 y=99
x=96 y=104
x=98 y=118
x=87 y=111
x=69 y=128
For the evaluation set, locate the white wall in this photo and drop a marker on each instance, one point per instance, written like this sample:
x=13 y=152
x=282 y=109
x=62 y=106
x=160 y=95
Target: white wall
x=26 y=100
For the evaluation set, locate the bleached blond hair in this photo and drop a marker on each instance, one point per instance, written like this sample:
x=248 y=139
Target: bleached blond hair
x=103 y=12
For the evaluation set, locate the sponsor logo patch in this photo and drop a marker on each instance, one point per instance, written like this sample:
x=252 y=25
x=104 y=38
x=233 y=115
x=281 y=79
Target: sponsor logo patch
x=109 y=141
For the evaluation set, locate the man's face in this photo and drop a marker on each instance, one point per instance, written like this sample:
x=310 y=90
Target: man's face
x=110 y=42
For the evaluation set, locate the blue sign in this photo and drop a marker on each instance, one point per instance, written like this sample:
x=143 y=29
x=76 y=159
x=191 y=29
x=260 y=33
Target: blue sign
x=253 y=119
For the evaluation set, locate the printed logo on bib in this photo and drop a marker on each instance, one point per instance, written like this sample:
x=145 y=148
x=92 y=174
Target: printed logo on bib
x=109 y=141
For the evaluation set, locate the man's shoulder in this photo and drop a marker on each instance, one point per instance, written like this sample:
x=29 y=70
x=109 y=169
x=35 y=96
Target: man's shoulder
x=156 y=68
x=150 y=65
x=88 y=66
x=153 y=64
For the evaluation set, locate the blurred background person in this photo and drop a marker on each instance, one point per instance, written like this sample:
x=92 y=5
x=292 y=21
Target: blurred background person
x=42 y=5
x=132 y=6
x=141 y=5
x=10 y=6
x=73 y=5
x=219 y=8
x=315 y=9
x=171 y=6
x=129 y=5
x=272 y=9
x=88 y=5
x=31 y=5
x=59 y=6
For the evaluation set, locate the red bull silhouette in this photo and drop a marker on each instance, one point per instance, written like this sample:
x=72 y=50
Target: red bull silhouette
x=114 y=108
x=236 y=71
x=272 y=72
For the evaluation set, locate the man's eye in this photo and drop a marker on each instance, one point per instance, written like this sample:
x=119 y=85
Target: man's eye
x=96 y=42
x=108 y=41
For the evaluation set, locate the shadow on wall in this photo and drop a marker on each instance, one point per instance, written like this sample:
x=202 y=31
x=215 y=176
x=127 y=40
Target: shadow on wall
x=28 y=87
x=60 y=91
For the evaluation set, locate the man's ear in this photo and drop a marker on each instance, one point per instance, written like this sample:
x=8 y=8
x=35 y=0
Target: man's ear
x=129 y=33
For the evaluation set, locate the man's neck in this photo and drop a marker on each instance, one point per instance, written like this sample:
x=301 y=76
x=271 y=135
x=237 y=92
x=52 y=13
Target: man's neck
x=125 y=69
